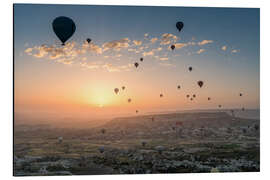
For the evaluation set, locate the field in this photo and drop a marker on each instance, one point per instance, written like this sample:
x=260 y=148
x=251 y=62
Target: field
x=159 y=143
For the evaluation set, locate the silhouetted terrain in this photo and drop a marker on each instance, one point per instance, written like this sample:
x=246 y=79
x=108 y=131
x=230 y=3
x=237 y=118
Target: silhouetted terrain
x=160 y=143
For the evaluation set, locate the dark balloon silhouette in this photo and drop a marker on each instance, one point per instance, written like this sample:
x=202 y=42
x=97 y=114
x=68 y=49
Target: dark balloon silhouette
x=116 y=90
x=143 y=143
x=178 y=87
x=194 y=95
x=141 y=59
x=64 y=28
x=103 y=131
x=179 y=26
x=88 y=40
x=219 y=106
x=209 y=98
x=161 y=95
x=187 y=96
x=240 y=94
x=136 y=64
x=200 y=83
x=191 y=99
x=129 y=100
x=123 y=87
x=101 y=149
x=137 y=111
x=190 y=68
x=173 y=47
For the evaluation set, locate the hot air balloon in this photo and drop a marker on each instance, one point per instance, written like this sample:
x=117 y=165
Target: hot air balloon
x=160 y=149
x=60 y=139
x=240 y=94
x=64 y=28
x=194 y=95
x=173 y=47
x=136 y=64
x=200 y=83
x=219 y=106
x=123 y=87
x=232 y=112
x=179 y=26
x=129 y=100
x=187 y=95
x=137 y=111
x=88 y=40
x=143 y=143
x=141 y=59
x=103 y=131
x=178 y=87
x=209 y=98
x=101 y=149
x=116 y=90
x=161 y=95
x=191 y=99
x=190 y=68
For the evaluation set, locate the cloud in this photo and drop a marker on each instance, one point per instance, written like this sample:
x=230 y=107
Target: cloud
x=150 y=53
x=164 y=59
x=116 y=45
x=118 y=55
x=95 y=48
x=205 y=42
x=65 y=61
x=167 y=38
x=192 y=43
x=235 y=51
x=28 y=50
x=112 y=68
x=224 y=48
x=166 y=64
x=180 y=45
x=157 y=49
x=67 y=52
x=137 y=43
x=153 y=40
x=89 y=66
x=200 y=51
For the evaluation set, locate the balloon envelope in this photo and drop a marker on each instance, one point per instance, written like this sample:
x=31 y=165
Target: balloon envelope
x=116 y=90
x=64 y=28
x=88 y=40
x=200 y=83
x=179 y=25
x=172 y=47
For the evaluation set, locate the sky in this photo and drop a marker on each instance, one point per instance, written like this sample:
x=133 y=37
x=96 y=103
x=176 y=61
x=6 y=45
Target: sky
x=78 y=79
